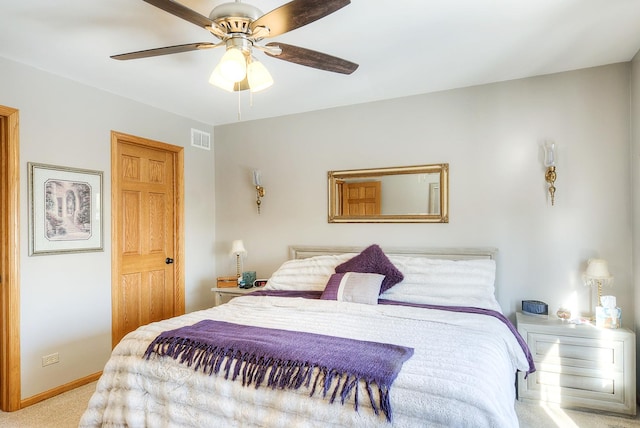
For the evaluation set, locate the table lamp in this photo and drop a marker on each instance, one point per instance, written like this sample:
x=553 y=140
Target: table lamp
x=237 y=249
x=597 y=274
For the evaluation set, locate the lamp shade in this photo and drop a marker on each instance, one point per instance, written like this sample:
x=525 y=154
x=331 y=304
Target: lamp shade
x=218 y=80
x=258 y=76
x=237 y=248
x=549 y=153
x=597 y=269
x=233 y=65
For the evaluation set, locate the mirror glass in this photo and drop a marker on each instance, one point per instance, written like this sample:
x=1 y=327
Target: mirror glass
x=407 y=194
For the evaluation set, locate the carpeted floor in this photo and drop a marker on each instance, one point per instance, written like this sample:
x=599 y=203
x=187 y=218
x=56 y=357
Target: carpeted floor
x=543 y=416
x=61 y=411
x=65 y=410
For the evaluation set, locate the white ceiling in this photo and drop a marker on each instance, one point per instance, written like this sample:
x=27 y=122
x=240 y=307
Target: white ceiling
x=404 y=47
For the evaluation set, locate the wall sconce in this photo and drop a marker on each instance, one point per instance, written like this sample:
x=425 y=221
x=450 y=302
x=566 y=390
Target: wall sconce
x=257 y=181
x=597 y=274
x=550 y=163
x=237 y=249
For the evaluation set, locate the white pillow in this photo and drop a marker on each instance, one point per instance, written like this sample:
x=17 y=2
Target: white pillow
x=311 y=273
x=445 y=282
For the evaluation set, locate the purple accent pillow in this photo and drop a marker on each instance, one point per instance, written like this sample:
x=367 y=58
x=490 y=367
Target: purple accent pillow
x=373 y=260
x=353 y=287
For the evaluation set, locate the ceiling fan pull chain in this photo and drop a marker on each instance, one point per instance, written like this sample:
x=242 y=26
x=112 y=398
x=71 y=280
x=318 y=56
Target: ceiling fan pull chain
x=239 y=100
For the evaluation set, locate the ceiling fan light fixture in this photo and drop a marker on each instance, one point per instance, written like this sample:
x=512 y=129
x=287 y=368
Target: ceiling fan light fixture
x=258 y=76
x=239 y=27
x=216 y=79
x=233 y=65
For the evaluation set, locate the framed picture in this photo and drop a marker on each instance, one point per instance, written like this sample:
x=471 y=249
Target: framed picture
x=65 y=209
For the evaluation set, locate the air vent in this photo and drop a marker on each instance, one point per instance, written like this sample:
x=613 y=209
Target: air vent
x=200 y=139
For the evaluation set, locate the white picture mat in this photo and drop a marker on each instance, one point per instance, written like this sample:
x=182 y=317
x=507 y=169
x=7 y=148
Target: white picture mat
x=41 y=238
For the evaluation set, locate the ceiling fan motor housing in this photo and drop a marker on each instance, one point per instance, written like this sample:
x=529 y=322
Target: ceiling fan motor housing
x=235 y=17
x=239 y=42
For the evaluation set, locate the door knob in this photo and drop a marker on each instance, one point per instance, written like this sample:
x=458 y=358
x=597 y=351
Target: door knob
x=168 y=260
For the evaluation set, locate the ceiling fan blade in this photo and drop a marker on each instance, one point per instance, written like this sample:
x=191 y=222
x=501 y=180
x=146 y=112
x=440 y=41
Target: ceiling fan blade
x=313 y=59
x=295 y=14
x=181 y=12
x=165 y=51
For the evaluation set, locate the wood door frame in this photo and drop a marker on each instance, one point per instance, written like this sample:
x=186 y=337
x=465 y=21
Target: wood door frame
x=10 y=388
x=178 y=155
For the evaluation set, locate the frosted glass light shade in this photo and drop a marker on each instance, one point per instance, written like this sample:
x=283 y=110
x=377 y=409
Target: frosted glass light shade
x=233 y=65
x=257 y=177
x=218 y=80
x=258 y=76
x=549 y=153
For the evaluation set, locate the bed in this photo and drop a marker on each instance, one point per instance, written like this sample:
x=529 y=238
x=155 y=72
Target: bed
x=433 y=310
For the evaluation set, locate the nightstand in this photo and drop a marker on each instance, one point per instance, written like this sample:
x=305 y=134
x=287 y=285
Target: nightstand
x=579 y=366
x=231 y=292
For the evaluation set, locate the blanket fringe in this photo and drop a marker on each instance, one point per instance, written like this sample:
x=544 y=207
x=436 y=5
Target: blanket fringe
x=278 y=374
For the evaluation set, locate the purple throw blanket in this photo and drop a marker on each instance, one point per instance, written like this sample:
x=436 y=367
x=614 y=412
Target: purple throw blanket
x=287 y=359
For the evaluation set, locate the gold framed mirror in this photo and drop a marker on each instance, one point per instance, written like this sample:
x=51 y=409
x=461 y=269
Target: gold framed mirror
x=406 y=194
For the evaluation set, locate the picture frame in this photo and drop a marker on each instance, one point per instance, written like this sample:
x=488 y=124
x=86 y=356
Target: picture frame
x=65 y=209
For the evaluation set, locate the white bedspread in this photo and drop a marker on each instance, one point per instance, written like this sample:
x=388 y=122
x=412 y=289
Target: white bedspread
x=461 y=374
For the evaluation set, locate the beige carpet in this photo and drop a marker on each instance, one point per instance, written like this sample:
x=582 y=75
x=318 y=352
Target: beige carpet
x=61 y=411
x=64 y=411
x=543 y=416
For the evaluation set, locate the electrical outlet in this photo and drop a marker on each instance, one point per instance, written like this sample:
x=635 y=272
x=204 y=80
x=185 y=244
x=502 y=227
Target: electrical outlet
x=47 y=360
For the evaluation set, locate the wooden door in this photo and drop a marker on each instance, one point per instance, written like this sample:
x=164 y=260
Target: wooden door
x=147 y=230
x=361 y=198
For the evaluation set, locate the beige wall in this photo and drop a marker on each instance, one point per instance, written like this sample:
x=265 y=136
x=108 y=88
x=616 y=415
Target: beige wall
x=66 y=299
x=490 y=135
x=635 y=167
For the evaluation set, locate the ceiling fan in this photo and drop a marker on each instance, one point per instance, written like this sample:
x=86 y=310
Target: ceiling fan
x=239 y=27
